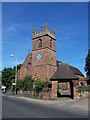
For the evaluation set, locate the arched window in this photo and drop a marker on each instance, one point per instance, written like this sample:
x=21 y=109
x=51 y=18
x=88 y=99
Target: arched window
x=39 y=43
x=51 y=43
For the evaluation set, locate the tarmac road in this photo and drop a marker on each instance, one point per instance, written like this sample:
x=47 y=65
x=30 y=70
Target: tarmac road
x=13 y=107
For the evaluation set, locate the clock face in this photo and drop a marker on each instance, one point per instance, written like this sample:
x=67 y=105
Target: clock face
x=38 y=56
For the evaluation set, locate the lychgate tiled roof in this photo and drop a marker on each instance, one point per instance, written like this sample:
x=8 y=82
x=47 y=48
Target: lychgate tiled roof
x=74 y=69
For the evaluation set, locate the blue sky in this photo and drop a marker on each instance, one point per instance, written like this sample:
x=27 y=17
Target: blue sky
x=69 y=19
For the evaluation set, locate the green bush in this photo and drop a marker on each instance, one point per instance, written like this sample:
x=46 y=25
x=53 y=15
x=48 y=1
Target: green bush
x=83 y=89
x=19 y=85
x=45 y=84
x=27 y=83
x=38 y=84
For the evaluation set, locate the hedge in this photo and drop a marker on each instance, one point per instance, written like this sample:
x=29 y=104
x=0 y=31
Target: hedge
x=84 y=89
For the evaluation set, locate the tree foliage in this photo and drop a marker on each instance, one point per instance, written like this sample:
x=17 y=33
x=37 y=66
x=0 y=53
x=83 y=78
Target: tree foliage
x=18 y=67
x=40 y=85
x=8 y=75
x=19 y=85
x=27 y=83
x=87 y=65
x=45 y=84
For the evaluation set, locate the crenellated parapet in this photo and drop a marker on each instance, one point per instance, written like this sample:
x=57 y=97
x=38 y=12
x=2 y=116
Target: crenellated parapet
x=45 y=31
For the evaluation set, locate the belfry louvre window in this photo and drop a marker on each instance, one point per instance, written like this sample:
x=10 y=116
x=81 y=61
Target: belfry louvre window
x=39 y=43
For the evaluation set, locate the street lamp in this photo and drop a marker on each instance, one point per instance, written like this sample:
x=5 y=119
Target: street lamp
x=15 y=74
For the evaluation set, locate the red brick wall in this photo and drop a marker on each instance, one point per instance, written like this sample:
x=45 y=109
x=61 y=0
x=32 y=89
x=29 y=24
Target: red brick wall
x=54 y=89
x=43 y=71
x=45 y=43
x=81 y=79
x=48 y=57
x=25 y=68
x=43 y=68
x=66 y=85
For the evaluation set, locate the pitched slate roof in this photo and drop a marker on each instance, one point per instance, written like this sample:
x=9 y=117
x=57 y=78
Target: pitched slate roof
x=74 y=69
x=63 y=72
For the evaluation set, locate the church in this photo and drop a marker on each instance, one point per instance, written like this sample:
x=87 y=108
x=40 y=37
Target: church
x=41 y=61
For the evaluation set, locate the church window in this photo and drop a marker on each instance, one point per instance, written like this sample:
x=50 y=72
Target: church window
x=29 y=63
x=39 y=43
x=38 y=56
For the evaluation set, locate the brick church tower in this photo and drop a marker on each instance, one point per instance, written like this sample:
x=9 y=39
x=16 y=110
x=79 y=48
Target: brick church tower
x=43 y=57
x=43 y=53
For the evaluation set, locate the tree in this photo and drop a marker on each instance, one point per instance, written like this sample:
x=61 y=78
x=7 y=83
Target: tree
x=27 y=83
x=38 y=84
x=18 y=67
x=8 y=75
x=87 y=65
x=45 y=84
x=19 y=85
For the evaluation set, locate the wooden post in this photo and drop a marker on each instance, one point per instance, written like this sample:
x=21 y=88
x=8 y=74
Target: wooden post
x=72 y=89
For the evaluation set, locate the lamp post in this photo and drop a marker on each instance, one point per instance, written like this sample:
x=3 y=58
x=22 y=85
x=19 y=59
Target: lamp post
x=15 y=74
